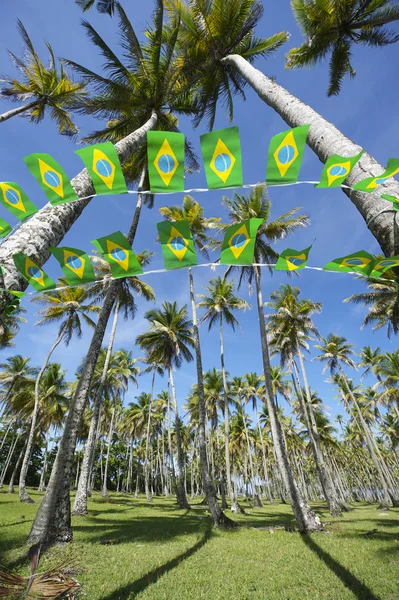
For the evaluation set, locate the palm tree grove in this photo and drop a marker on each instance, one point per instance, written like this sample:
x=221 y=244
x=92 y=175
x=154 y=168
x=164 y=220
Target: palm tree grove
x=199 y=300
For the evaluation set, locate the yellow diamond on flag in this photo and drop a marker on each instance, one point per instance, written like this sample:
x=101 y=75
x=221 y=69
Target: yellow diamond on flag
x=12 y=197
x=33 y=272
x=118 y=254
x=166 y=162
x=286 y=154
x=337 y=171
x=223 y=161
x=294 y=262
x=360 y=262
x=75 y=263
x=177 y=243
x=239 y=241
x=51 y=178
x=104 y=168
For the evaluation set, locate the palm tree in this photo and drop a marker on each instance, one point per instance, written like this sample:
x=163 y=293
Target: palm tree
x=220 y=303
x=9 y=326
x=103 y=6
x=168 y=342
x=14 y=373
x=332 y=27
x=240 y=209
x=334 y=351
x=289 y=327
x=387 y=372
x=222 y=56
x=369 y=359
x=70 y=306
x=194 y=214
x=47 y=89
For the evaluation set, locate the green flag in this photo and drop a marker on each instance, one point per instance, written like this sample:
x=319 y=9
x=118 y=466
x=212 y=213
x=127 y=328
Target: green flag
x=221 y=153
x=239 y=243
x=393 y=200
x=165 y=153
x=360 y=262
x=13 y=304
x=117 y=251
x=285 y=156
x=381 y=265
x=75 y=264
x=369 y=184
x=51 y=177
x=102 y=162
x=5 y=228
x=177 y=244
x=336 y=170
x=33 y=273
x=16 y=201
x=292 y=260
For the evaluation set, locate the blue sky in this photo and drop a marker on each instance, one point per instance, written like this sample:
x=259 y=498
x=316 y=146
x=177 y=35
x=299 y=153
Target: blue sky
x=365 y=111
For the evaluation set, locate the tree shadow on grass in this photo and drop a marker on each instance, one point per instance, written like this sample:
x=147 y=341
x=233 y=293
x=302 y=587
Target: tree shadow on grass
x=359 y=589
x=132 y=589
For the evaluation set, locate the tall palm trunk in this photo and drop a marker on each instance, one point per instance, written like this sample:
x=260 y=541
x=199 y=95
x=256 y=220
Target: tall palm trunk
x=18 y=111
x=219 y=518
x=104 y=491
x=80 y=505
x=42 y=484
x=147 y=444
x=15 y=471
x=255 y=495
x=234 y=505
x=265 y=471
x=306 y=519
x=53 y=519
x=325 y=140
x=51 y=223
x=322 y=470
x=8 y=459
x=23 y=494
x=180 y=490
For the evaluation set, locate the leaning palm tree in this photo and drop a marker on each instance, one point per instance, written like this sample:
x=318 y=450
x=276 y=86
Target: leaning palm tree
x=290 y=326
x=47 y=89
x=335 y=352
x=70 y=306
x=220 y=303
x=168 y=342
x=199 y=224
x=332 y=27
x=222 y=56
x=240 y=209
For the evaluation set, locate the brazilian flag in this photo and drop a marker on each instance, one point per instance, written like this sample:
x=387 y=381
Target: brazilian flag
x=292 y=260
x=221 y=153
x=394 y=201
x=116 y=250
x=379 y=266
x=360 y=262
x=16 y=201
x=336 y=170
x=75 y=264
x=165 y=153
x=33 y=273
x=177 y=244
x=369 y=184
x=102 y=162
x=239 y=243
x=5 y=228
x=51 y=177
x=285 y=155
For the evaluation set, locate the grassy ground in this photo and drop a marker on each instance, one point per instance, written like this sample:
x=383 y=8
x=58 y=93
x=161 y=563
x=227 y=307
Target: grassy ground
x=158 y=552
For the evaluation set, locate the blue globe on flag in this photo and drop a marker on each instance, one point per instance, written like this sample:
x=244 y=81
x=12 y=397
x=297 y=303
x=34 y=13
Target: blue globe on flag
x=104 y=167
x=118 y=254
x=178 y=244
x=338 y=171
x=52 y=179
x=286 y=154
x=297 y=262
x=355 y=262
x=222 y=162
x=239 y=240
x=74 y=261
x=166 y=163
x=12 y=196
x=34 y=272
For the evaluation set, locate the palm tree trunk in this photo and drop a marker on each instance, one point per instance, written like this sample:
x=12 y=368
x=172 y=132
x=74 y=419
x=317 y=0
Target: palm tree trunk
x=265 y=472
x=104 y=491
x=42 y=484
x=8 y=459
x=80 y=505
x=325 y=140
x=255 y=495
x=306 y=519
x=50 y=224
x=17 y=111
x=6 y=434
x=23 y=494
x=147 y=444
x=180 y=491
x=322 y=470
x=219 y=518
x=15 y=471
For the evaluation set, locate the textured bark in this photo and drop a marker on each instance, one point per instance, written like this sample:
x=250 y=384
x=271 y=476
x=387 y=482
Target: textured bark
x=325 y=140
x=80 y=505
x=42 y=484
x=50 y=224
x=104 y=491
x=306 y=519
x=218 y=516
x=23 y=494
x=180 y=491
x=18 y=111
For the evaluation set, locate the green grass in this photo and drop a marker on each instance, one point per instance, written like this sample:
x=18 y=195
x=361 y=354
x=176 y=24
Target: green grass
x=158 y=552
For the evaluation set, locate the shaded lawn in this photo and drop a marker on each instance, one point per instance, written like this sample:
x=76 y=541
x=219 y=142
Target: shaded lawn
x=159 y=552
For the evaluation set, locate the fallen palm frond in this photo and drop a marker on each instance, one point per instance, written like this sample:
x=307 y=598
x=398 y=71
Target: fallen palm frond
x=52 y=584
